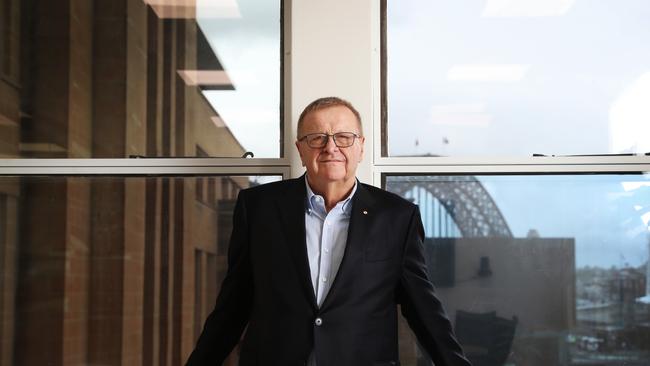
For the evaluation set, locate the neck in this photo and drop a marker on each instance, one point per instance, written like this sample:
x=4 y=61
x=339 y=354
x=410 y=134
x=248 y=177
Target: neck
x=332 y=192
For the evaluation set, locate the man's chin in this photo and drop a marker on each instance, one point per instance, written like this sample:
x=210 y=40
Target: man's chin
x=335 y=178
x=335 y=174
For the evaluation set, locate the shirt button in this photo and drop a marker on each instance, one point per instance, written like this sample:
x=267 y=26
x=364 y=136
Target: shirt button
x=324 y=279
x=327 y=250
x=318 y=322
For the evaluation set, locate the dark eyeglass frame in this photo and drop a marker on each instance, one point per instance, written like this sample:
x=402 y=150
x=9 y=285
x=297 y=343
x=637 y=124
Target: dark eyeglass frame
x=310 y=141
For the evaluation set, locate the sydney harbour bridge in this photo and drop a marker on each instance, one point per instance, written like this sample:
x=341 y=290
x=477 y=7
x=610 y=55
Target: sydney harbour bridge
x=452 y=205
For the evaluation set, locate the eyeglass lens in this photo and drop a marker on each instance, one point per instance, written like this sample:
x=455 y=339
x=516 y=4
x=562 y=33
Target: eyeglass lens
x=341 y=139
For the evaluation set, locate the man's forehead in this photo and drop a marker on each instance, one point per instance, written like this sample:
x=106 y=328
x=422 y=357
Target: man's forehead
x=335 y=116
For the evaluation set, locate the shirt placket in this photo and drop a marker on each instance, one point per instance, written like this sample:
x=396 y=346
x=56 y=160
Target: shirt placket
x=326 y=259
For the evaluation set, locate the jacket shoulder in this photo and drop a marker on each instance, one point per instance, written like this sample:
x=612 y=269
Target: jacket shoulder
x=388 y=199
x=271 y=189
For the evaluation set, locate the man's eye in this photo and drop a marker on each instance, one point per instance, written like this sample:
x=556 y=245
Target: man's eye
x=318 y=139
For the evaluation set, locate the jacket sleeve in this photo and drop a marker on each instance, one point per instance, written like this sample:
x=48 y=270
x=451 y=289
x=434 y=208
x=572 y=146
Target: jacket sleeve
x=420 y=305
x=224 y=326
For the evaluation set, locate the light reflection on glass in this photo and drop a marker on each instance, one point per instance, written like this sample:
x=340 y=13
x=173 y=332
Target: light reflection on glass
x=495 y=73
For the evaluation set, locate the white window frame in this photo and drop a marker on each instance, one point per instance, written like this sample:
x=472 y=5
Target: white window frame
x=149 y=167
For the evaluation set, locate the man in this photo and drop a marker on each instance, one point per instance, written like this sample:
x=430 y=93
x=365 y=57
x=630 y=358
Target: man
x=318 y=264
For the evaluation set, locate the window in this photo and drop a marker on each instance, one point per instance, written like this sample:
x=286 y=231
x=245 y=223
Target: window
x=483 y=105
x=99 y=259
x=140 y=78
x=118 y=260
x=539 y=269
x=516 y=78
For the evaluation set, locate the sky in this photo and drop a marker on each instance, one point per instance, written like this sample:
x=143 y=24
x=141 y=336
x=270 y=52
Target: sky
x=248 y=47
x=506 y=77
x=608 y=215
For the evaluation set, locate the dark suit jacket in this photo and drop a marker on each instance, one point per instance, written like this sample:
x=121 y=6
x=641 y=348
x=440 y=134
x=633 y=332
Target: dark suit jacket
x=268 y=286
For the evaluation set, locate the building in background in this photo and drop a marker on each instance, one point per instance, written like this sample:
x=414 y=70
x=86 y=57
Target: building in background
x=109 y=270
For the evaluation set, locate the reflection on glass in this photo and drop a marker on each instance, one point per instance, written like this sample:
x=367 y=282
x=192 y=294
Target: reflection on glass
x=111 y=271
x=158 y=78
x=538 y=270
x=248 y=46
x=506 y=77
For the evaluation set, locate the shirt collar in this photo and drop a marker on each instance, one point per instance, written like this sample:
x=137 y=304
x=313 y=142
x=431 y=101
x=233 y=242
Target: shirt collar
x=345 y=205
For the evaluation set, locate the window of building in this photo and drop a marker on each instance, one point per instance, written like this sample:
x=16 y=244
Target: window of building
x=483 y=106
x=135 y=116
x=548 y=269
x=101 y=259
x=516 y=78
x=140 y=78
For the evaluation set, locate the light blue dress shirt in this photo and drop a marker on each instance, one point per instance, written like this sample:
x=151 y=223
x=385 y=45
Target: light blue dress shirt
x=326 y=236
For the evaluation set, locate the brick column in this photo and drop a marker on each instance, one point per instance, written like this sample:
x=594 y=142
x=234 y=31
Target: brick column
x=53 y=253
x=120 y=118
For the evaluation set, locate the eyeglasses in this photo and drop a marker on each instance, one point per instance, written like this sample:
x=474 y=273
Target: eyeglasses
x=319 y=140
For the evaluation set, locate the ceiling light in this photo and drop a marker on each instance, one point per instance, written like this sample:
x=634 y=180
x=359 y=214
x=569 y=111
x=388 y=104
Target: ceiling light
x=461 y=115
x=526 y=8
x=488 y=72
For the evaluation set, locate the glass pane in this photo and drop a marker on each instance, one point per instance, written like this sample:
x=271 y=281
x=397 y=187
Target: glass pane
x=515 y=78
x=157 y=78
x=111 y=271
x=538 y=270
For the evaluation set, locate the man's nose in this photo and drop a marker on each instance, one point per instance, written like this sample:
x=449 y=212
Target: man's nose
x=331 y=145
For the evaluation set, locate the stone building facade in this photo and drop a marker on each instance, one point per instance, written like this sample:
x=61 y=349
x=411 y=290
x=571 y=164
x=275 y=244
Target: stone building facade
x=106 y=270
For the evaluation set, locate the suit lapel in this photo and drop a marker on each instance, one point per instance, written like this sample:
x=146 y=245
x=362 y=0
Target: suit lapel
x=362 y=216
x=292 y=212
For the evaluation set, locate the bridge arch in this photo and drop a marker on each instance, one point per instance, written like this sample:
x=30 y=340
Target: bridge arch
x=465 y=200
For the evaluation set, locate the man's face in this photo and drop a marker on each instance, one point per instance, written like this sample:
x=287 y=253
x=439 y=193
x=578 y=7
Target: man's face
x=330 y=164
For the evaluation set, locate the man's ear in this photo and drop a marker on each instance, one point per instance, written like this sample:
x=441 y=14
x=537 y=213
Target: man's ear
x=362 y=141
x=299 y=152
